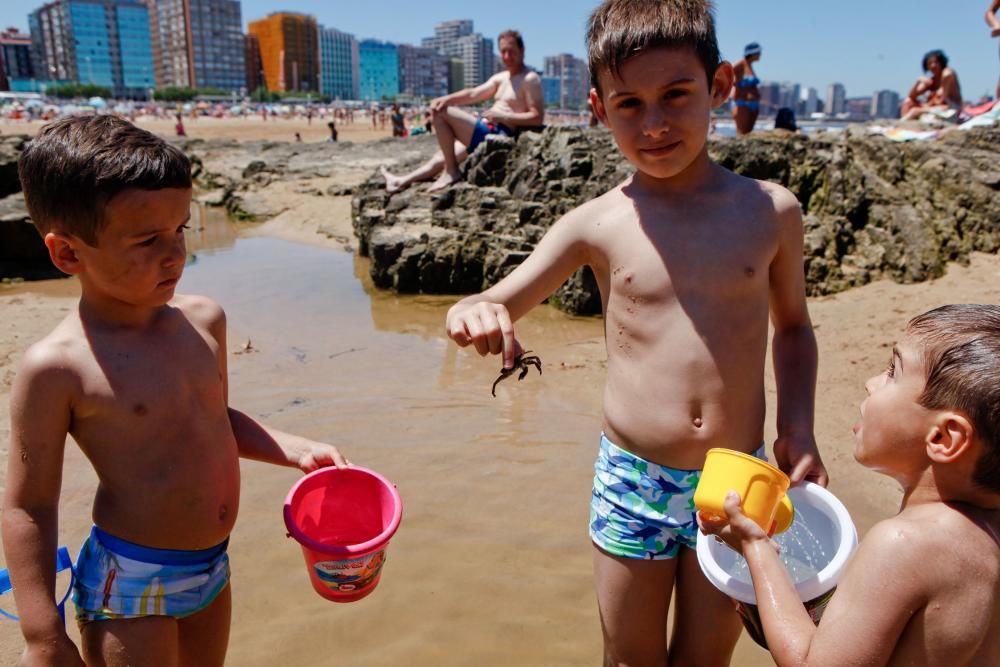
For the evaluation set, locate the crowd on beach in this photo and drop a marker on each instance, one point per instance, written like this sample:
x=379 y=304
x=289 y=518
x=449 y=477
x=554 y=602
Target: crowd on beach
x=137 y=375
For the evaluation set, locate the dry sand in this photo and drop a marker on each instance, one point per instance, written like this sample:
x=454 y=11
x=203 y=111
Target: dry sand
x=491 y=565
x=243 y=129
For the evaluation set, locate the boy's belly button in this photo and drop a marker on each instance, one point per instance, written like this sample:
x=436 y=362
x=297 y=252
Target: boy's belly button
x=697 y=422
x=223 y=512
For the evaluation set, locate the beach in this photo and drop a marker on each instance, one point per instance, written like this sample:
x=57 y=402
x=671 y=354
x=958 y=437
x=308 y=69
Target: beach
x=492 y=562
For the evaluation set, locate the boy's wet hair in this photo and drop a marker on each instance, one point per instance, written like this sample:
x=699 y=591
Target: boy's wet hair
x=514 y=35
x=621 y=29
x=961 y=355
x=76 y=166
x=936 y=53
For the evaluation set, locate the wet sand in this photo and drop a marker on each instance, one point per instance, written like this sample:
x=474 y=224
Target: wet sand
x=491 y=565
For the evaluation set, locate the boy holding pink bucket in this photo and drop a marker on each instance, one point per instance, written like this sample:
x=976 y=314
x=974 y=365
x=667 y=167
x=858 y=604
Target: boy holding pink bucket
x=924 y=586
x=690 y=259
x=138 y=377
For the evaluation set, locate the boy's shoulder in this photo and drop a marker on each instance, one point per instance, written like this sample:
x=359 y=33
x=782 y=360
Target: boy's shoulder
x=937 y=532
x=199 y=309
x=57 y=358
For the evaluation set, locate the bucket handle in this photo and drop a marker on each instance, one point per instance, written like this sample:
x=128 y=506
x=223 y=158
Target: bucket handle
x=63 y=562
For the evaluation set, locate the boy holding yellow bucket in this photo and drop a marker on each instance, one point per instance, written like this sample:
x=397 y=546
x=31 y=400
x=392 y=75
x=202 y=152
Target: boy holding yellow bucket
x=924 y=586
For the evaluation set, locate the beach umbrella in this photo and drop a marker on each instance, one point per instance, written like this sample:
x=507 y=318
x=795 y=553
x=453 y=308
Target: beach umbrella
x=33 y=103
x=97 y=102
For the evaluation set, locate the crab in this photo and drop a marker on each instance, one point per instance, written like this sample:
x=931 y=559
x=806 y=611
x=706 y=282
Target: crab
x=522 y=362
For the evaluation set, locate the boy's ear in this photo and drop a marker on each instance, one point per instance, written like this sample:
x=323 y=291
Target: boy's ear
x=598 y=106
x=950 y=437
x=62 y=252
x=722 y=83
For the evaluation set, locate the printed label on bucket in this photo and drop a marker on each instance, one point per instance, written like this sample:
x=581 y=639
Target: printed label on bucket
x=754 y=626
x=347 y=576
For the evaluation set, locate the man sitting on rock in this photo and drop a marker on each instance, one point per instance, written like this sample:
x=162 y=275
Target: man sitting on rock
x=518 y=103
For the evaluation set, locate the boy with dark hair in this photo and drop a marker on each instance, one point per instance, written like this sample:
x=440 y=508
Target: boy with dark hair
x=690 y=259
x=924 y=587
x=137 y=376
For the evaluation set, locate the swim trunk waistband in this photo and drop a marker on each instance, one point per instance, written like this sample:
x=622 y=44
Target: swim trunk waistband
x=641 y=509
x=483 y=128
x=158 y=556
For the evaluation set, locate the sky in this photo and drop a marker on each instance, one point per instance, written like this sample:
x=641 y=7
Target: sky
x=867 y=45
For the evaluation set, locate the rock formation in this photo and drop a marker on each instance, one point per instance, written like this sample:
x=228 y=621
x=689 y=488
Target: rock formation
x=872 y=208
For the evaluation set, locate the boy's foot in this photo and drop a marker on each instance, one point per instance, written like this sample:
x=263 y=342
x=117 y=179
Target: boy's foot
x=393 y=184
x=444 y=181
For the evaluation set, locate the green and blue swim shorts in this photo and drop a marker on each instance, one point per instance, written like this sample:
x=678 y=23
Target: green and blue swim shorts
x=640 y=509
x=116 y=579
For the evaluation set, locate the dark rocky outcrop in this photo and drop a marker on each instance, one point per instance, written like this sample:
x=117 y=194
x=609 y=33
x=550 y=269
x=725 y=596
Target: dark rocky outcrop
x=873 y=208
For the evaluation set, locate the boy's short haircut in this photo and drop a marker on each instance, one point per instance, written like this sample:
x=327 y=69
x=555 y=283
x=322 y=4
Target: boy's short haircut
x=621 y=29
x=76 y=166
x=961 y=355
x=514 y=35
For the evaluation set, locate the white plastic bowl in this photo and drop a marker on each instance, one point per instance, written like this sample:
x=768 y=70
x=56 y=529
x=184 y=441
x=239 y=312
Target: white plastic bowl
x=815 y=508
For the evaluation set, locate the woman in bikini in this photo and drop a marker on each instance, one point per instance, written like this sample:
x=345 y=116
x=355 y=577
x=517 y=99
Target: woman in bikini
x=746 y=95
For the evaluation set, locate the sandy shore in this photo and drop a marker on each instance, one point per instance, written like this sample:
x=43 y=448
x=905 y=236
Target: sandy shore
x=492 y=563
x=242 y=129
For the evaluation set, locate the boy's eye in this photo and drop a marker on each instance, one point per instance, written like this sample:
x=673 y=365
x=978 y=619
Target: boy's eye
x=674 y=94
x=891 y=370
x=628 y=103
x=148 y=242
x=180 y=230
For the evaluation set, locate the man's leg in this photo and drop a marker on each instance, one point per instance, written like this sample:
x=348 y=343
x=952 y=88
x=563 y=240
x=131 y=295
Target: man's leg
x=136 y=641
x=204 y=637
x=424 y=172
x=706 y=625
x=633 y=597
x=451 y=125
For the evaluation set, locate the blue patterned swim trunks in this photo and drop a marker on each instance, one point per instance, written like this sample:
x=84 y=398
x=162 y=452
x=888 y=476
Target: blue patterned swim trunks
x=118 y=579
x=640 y=509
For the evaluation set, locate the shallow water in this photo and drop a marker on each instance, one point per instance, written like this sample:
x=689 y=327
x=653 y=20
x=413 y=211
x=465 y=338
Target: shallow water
x=491 y=564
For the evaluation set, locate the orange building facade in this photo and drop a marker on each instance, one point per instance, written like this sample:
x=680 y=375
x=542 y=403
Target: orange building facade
x=289 y=51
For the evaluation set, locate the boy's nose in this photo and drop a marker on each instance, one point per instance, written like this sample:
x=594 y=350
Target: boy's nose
x=655 y=122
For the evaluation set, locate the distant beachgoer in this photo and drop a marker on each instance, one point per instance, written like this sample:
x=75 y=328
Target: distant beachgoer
x=785 y=120
x=398 y=123
x=519 y=102
x=298 y=137
x=937 y=93
x=179 y=127
x=333 y=131
x=994 y=23
x=746 y=94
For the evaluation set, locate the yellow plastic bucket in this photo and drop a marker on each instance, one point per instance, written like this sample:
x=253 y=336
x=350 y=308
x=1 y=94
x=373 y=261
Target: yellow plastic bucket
x=761 y=486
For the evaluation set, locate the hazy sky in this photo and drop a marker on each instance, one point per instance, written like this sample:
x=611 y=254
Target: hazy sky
x=867 y=45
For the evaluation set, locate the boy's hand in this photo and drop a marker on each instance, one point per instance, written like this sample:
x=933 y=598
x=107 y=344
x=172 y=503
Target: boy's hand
x=485 y=325
x=57 y=653
x=798 y=457
x=735 y=529
x=321 y=455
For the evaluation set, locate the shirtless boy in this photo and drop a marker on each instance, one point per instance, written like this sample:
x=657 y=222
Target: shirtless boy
x=518 y=103
x=137 y=375
x=924 y=587
x=690 y=259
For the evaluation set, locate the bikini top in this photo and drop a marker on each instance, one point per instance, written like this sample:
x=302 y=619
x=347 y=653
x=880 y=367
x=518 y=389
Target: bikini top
x=747 y=82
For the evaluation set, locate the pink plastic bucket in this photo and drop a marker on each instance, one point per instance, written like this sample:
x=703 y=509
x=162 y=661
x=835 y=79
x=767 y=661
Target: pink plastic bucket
x=343 y=519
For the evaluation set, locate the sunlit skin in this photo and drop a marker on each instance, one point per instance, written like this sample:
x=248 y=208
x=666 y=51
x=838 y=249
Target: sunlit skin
x=137 y=375
x=745 y=117
x=923 y=589
x=690 y=259
x=939 y=91
x=518 y=102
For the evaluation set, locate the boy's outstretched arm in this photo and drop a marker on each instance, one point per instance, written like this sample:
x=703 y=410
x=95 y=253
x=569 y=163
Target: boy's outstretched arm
x=40 y=418
x=876 y=597
x=254 y=440
x=793 y=348
x=486 y=320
